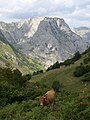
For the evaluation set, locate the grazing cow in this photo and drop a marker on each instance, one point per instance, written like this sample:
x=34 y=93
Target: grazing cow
x=47 y=99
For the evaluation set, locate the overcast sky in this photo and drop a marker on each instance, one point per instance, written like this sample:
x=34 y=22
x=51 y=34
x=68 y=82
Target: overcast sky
x=75 y=12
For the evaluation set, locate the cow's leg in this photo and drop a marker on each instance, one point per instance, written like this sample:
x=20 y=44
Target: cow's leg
x=53 y=103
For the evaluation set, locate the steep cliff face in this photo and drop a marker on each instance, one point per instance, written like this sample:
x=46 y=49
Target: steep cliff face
x=45 y=39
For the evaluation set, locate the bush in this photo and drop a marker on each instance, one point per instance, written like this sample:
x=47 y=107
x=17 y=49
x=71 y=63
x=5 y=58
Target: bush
x=15 y=87
x=54 y=66
x=38 y=72
x=26 y=77
x=77 y=56
x=56 y=86
x=68 y=62
x=79 y=71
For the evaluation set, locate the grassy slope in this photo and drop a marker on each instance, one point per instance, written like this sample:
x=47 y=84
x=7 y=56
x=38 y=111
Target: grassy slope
x=67 y=106
x=64 y=75
x=25 y=65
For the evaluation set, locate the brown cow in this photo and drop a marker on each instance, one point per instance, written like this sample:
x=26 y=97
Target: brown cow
x=47 y=99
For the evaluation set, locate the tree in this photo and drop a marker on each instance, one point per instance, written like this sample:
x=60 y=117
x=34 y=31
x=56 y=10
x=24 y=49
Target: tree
x=17 y=78
x=77 y=56
x=26 y=77
x=54 y=66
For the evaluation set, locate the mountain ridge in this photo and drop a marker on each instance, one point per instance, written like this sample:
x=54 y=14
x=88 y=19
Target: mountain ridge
x=84 y=32
x=43 y=38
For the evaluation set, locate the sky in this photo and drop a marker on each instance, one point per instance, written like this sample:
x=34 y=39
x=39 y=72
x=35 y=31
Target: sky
x=75 y=12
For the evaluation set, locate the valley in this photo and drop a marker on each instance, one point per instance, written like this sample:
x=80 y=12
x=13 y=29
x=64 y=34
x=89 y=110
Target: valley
x=37 y=55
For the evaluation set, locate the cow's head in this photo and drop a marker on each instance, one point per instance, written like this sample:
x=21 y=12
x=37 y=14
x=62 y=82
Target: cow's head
x=42 y=100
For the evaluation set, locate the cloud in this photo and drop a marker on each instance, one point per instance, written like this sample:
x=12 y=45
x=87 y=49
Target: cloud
x=70 y=10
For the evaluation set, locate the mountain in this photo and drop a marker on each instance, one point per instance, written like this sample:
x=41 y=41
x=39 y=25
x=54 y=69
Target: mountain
x=9 y=56
x=43 y=39
x=84 y=32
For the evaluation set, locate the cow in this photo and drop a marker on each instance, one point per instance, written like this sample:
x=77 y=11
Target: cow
x=47 y=99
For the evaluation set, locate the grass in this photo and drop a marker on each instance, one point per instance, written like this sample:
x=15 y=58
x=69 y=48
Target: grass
x=64 y=76
x=70 y=102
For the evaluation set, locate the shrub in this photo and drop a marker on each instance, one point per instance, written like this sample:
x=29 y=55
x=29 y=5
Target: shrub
x=68 y=62
x=77 y=56
x=26 y=77
x=56 y=86
x=79 y=71
x=54 y=66
x=15 y=87
x=38 y=72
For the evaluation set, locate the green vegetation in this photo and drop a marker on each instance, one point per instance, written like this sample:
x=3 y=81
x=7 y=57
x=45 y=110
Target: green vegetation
x=56 y=86
x=8 y=55
x=18 y=94
x=84 y=68
x=70 y=61
x=37 y=72
x=12 y=85
x=86 y=78
x=81 y=70
x=68 y=106
x=54 y=66
x=67 y=62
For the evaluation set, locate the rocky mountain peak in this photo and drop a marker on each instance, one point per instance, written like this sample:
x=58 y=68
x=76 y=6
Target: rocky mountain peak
x=43 y=38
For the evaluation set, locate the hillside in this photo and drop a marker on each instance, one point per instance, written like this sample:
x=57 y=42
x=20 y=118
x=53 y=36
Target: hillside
x=64 y=75
x=72 y=99
x=11 y=56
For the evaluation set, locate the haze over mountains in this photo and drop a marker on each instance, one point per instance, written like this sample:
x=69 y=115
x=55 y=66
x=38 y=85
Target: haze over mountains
x=84 y=32
x=44 y=39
